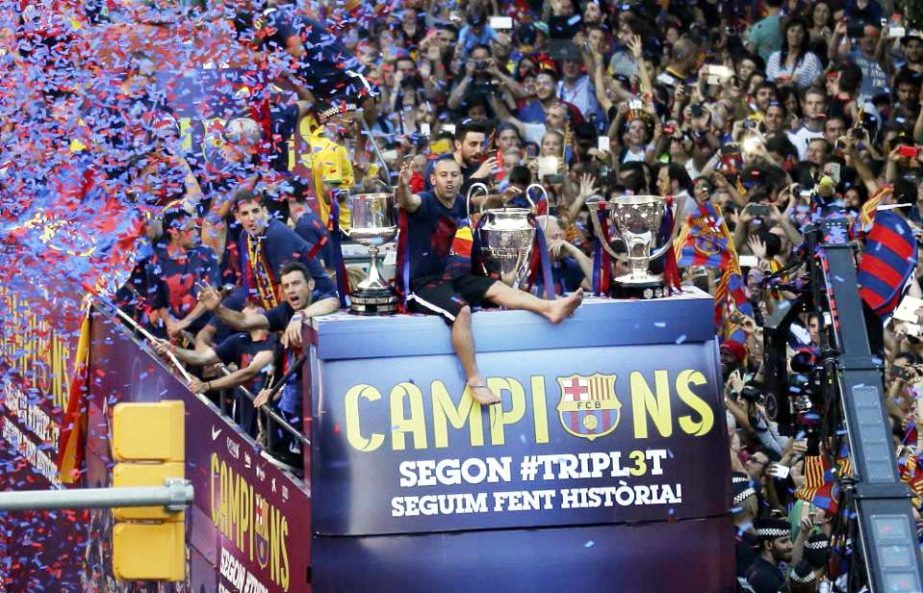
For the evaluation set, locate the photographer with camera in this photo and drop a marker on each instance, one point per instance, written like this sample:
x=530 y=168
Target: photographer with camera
x=482 y=79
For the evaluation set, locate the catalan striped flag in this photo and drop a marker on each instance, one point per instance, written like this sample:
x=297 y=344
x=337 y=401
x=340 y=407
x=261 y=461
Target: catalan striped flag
x=819 y=487
x=863 y=222
x=888 y=261
x=72 y=439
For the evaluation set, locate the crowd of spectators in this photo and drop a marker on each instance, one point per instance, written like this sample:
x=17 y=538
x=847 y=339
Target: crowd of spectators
x=758 y=118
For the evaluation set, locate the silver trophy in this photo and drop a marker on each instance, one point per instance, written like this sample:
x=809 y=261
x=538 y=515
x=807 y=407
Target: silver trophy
x=373 y=222
x=637 y=221
x=506 y=238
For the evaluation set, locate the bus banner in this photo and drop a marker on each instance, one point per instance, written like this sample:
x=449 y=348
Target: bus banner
x=249 y=524
x=620 y=428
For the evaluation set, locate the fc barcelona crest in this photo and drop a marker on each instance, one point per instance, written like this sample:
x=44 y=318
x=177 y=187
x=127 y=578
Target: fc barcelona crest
x=589 y=407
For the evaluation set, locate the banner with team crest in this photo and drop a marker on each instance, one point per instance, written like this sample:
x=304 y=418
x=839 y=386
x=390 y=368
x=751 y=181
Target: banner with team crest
x=613 y=416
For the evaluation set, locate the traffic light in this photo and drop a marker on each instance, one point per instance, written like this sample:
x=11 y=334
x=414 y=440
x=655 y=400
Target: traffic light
x=148 y=444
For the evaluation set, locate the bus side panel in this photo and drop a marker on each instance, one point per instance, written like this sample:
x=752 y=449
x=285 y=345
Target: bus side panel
x=649 y=557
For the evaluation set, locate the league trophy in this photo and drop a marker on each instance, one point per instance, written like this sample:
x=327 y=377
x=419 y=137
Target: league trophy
x=373 y=222
x=637 y=221
x=507 y=235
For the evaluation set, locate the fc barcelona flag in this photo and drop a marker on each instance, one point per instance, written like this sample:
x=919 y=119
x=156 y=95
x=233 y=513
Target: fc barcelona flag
x=888 y=261
x=704 y=240
x=820 y=487
x=72 y=441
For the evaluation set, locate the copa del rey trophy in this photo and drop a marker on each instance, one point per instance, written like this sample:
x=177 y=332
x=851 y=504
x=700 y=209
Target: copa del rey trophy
x=373 y=222
x=637 y=220
x=506 y=236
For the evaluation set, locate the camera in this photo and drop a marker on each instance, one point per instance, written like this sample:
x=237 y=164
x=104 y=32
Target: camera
x=855 y=30
x=752 y=394
x=802 y=191
x=759 y=210
x=480 y=65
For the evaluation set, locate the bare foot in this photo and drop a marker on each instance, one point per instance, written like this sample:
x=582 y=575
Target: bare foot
x=561 y=309
x=482 y=393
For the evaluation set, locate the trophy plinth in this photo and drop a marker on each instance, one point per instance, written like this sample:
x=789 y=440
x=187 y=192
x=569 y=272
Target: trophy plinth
x=373 y=296
x=627 y=287
x=372 y=223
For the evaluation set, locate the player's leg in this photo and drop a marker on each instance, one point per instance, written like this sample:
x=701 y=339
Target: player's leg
x=463 y=343
x=439 y=298
x=511 y=298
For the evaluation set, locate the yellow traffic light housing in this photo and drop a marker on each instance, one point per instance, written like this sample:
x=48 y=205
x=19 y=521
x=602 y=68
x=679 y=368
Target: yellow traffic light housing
x=148 y=444
x=149 y=551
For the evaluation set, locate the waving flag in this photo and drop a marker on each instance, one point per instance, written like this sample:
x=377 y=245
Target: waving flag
x=863 y=223
x=706 y=241
x=888 y=261
x=820 y=487
x=72 y=440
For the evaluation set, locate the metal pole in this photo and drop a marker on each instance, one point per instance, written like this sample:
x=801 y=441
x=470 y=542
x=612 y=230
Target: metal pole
x=174 y=495
x=269 y=411
x=151 y=338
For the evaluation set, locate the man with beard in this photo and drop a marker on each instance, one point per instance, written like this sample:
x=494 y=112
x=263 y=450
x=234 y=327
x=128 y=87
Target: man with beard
x=438 y=288
x=775 y=547
x=469 y=154
x=297 y=308
x=546 y=95
x=328 y=157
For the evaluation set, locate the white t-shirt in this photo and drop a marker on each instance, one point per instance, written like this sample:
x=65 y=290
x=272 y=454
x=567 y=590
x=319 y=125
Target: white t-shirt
x=800 y=139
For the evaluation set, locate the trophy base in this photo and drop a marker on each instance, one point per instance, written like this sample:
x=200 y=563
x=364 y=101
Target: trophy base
x=644 y=289
x=381 y=301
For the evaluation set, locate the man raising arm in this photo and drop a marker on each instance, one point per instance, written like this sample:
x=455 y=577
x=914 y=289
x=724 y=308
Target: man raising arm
x=296 y=285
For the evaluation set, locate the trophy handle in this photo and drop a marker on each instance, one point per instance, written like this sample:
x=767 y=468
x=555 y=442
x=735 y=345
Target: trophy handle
x=677 y=212
x=531 y=203
x=598 y=230
x=471 y=189
x=388 y=189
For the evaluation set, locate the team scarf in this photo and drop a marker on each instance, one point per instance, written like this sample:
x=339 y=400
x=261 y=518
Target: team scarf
x=460 y=254
x=671 y=276
x=402 y=278
x=259 y=281
x=602 y=261
x=339 y=264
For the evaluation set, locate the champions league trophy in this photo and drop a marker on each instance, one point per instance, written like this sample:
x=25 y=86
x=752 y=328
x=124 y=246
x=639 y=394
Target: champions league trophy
x=637 y=220
x=373 y=222
x=507 y=236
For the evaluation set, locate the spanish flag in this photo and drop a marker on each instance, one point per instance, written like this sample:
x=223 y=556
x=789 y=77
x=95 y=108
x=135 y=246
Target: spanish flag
x=72 y=442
